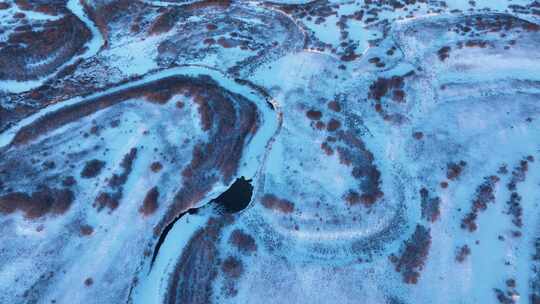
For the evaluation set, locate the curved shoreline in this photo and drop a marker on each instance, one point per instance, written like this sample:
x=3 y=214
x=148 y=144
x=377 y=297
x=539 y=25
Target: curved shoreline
x=252 y=160
x=93 y=46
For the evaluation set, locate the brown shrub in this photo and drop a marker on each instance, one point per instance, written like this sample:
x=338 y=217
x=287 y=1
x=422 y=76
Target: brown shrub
x=334 y=106
x=232 y=267
x=156 y=167
x=418 y=135
x=159 y=97
x=109 y=200
x=10 y=202
x=413 y=255
x=454 y=170
x=150 y=203
x=469 y=222
x=511 y=283
x=462 y=253
x=345 y=156
x=164 y=22
x=430 y=206
x=243 y=241
x=205 y=113
x=504 y=298
x=382 y=86
x=270 y=201
x=88 y=282
x=531 y=27
x=86 y=230
x=208 y=3
x=333 y=125
x=443 y=53
x=368 y=199
x=38 y=204
x=92 y=168
x=515 y=209
x=519 y=174
x=135 y=28
x=476 y=43
x=398 y=95
x=314 y=114
x=19 y=15
x=327 y=149
x=352 y=197
x=62 y=199
x=484 y=195
x=118 y=180
x=209 y=41
x=69 y=181
x=349 y=57
x=225 y=43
